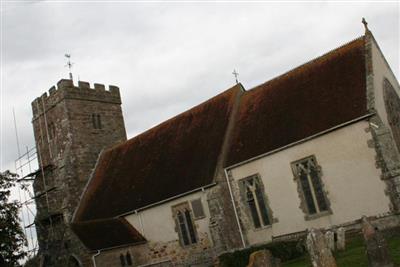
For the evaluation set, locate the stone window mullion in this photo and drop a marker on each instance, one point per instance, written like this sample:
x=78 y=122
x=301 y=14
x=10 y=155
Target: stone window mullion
x=256 y=204
x=313 y=199
x=184 y=224
x=311 y=185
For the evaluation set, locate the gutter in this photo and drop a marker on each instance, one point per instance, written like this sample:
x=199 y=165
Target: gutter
x=166 y=200
x=300 y=141
x=234 y=209
x=275 y=151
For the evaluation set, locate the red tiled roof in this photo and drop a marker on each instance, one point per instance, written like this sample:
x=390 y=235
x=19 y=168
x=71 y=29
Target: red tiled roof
x=181 y=154
x=174 y=157
x=314 y=97
x=108 y=233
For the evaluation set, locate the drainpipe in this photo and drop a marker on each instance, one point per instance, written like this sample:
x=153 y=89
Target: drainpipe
x=141 y=222
x=94 y=256
x=234 y=209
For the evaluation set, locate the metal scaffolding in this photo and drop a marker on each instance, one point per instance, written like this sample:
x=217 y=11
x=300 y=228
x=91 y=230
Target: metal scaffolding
x=29 y=167
x=24 y=165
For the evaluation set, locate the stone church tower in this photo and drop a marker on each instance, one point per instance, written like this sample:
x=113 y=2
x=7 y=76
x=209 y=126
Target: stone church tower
x=71 y=127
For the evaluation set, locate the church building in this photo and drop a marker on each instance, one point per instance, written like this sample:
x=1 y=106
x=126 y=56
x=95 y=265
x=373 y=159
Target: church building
x=316 y=147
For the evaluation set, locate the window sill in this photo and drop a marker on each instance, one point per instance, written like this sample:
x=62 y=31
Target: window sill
x=262 y=228
x=309 y=217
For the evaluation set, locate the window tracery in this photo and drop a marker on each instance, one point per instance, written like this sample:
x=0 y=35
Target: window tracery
x=308 y=174
x=392 y=105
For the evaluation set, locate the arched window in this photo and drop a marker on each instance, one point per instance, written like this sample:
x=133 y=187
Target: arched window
x=392 y=105
x=185 y=226
x=314 y=201
x=255 y=201
x=128 y=258
x=122 y=260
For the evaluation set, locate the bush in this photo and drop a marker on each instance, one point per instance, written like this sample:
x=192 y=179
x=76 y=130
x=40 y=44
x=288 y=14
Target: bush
x=285 y=251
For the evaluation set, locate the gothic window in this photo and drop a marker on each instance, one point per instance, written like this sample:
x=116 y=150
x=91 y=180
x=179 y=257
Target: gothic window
x=312 y=195
x=128 y=259
x=392 y=105
x=184 y=224
x=253 y=195
x=96 y=121
x=122 y=260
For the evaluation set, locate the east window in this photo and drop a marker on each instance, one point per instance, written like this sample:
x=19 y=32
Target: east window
x=308 y=174
x=184 y=224
x=252 y=192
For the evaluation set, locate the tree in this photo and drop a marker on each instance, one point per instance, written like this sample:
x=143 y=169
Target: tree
x=12 y=239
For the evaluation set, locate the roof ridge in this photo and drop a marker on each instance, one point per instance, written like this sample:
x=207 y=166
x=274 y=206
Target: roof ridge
x=172 y=118
x=307 y=63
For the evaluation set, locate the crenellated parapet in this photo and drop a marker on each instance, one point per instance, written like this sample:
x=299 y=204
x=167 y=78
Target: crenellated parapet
x=65 y=89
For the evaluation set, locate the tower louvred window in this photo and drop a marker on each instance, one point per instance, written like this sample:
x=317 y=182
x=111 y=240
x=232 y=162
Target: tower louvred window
x=96 y=121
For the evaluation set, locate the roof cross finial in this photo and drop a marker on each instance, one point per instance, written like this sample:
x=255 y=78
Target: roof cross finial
x=236 y=74
x=365 y=24
x=69 y=65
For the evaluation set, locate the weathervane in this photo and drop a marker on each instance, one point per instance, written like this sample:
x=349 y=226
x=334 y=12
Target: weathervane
x=69 y=65
x=236 y=74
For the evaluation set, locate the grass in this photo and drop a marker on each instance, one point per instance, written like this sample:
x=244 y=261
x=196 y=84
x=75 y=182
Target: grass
x=353 y=256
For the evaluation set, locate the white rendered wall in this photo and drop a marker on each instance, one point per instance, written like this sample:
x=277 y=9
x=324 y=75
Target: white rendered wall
x=349 y=175
x=158 y=224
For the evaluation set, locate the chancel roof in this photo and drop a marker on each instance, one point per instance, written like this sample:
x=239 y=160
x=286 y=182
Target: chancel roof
x=182 y=154
x=309 y=99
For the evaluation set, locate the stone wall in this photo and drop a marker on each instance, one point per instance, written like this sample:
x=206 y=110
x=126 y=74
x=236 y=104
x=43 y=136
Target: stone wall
x=162 y=254
x=378 y=74
x=68 y=145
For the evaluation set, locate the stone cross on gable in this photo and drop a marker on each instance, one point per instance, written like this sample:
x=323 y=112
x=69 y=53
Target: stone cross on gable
x=365 y=24
x=236 y=74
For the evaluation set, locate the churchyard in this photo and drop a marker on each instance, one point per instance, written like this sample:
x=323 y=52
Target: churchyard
x=354 y=255
x=365 y=247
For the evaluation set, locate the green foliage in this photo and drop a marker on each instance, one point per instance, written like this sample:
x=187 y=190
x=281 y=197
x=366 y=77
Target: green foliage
x=12 y=238
x=282 y=250
x=394 y=248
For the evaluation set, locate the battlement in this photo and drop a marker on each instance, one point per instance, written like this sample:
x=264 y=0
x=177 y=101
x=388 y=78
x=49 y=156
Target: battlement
x=65 y=89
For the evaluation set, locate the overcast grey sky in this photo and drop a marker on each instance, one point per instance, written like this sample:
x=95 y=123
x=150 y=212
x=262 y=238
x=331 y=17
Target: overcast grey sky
x=167 y=57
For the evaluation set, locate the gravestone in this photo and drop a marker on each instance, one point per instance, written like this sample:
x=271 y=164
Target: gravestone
x=377 y=248
x=320 y=253
x=330 y=239
x=263 y=258
x=341 y=239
